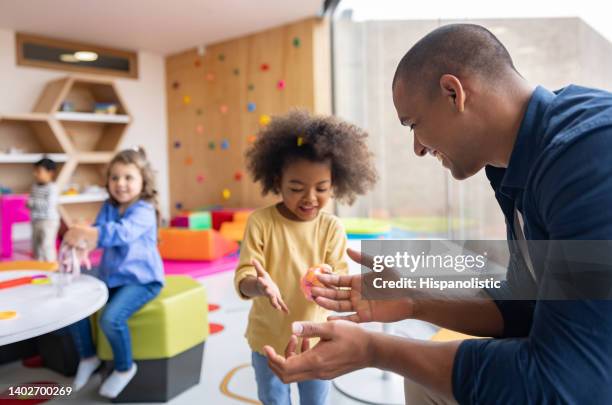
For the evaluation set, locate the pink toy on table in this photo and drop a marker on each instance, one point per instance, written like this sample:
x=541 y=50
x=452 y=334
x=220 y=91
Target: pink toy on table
x=12 y=210
x=310 y=279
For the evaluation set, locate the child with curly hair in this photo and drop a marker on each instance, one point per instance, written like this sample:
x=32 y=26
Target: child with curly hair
x=305 y=160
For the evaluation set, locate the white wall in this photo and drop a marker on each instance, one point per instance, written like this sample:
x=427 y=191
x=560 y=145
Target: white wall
x=145 y=98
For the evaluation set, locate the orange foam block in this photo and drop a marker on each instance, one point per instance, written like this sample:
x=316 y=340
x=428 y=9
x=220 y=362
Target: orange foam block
x=188 y=244
x=233 y=230
x=242 y=216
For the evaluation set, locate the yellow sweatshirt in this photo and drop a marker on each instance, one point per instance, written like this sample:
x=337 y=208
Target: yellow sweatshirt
x=286 y=249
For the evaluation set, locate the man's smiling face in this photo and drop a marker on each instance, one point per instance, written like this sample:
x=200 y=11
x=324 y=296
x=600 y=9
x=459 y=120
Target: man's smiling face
x=440 y=128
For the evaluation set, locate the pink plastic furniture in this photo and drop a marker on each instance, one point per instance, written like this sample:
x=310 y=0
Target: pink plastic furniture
x=12 y=210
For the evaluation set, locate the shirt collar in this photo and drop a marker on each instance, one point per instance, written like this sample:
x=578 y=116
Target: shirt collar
x=526 y=147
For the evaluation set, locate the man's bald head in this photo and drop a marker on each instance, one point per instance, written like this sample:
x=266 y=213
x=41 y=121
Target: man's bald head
x=458 y=49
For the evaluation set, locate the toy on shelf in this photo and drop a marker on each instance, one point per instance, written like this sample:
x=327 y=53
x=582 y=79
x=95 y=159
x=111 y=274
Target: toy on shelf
x=106 y=108
x=188 y=244
x=310 y=279
x=67 y=106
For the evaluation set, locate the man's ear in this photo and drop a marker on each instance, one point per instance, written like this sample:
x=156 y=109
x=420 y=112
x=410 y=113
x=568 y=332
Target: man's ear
x=453 y=91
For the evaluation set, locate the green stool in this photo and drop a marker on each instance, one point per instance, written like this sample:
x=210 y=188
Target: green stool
x=168 y=336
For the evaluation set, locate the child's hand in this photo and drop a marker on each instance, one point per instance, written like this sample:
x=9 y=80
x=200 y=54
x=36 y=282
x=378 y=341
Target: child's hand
x=268 y=287
x=82 y=237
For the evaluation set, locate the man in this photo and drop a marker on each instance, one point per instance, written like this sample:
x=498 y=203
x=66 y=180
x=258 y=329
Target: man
x=547 y=156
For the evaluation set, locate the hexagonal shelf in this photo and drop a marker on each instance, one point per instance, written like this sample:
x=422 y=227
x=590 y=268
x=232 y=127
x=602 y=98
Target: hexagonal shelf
x=85 y=180
x=73 y=101
x=25 y=139
x=78 y=122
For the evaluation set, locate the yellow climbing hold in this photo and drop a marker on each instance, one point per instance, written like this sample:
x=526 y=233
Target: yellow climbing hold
x=264 y=119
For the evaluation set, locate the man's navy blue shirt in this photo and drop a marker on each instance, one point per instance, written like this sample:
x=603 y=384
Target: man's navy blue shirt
x=560 y=179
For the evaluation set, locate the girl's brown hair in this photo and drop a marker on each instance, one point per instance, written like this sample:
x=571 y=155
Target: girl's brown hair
x=137 y=157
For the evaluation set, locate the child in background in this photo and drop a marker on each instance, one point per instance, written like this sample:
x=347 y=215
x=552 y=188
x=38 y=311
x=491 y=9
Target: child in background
x=306 y=160
x=126 y=228
x=42 y=203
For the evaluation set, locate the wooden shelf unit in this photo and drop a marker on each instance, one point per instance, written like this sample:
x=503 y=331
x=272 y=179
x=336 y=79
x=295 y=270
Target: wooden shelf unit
x=81 y=142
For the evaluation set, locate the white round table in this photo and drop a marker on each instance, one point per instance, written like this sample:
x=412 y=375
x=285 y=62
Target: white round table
x=39 y=307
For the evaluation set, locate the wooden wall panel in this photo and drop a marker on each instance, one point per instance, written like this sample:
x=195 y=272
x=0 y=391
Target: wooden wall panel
x=208 y=97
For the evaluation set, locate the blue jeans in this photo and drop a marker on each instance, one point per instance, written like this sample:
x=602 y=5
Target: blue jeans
x=122 y=303
x=272 y=391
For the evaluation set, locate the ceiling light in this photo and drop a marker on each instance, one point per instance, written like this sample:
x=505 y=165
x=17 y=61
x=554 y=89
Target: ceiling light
x=86 y=56
x=68 y=57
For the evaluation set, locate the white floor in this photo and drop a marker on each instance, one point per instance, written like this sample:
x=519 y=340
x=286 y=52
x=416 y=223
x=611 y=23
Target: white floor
x=224 y=352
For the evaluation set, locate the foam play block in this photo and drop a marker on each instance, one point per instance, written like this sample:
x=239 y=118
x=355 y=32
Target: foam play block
x=200 y=220
x=174 y=321
x=242 y=216
x=188 y=244
x=180 y=221
x=168 y=338
x=221 y=216
x=160 y=380
x=233 y=230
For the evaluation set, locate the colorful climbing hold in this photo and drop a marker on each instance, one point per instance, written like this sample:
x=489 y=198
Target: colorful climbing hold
x=221 y=57
x=236 y=72
x=186 y=100
x=200 y=178
x=224 y=144
x=197 y=63
x=175 y=85
x=199 y=111
x=177 y=144
x=188 y=161
x=200 y=128
x=179 y=206
x=251 y=138
x=264 y=120
x=237 y=176
x=297 y=42
x=210 y=76
x=251 y=107
x=281 y=84
x=211 y=145
x=226 y=194
x=264 y=67
x=223 y=108
x=251 y=87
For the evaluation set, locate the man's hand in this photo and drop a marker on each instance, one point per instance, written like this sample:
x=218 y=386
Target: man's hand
x=344 y=347
x=344 y=294
x=267 y=287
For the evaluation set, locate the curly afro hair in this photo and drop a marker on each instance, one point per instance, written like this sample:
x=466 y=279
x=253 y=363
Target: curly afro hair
x=299 y=135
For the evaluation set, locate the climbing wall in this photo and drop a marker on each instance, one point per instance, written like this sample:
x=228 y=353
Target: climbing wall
x=219 y=98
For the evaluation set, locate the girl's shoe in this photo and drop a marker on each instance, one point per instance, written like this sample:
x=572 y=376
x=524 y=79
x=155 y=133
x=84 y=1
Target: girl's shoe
x=86 y=368
x=117 y=381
